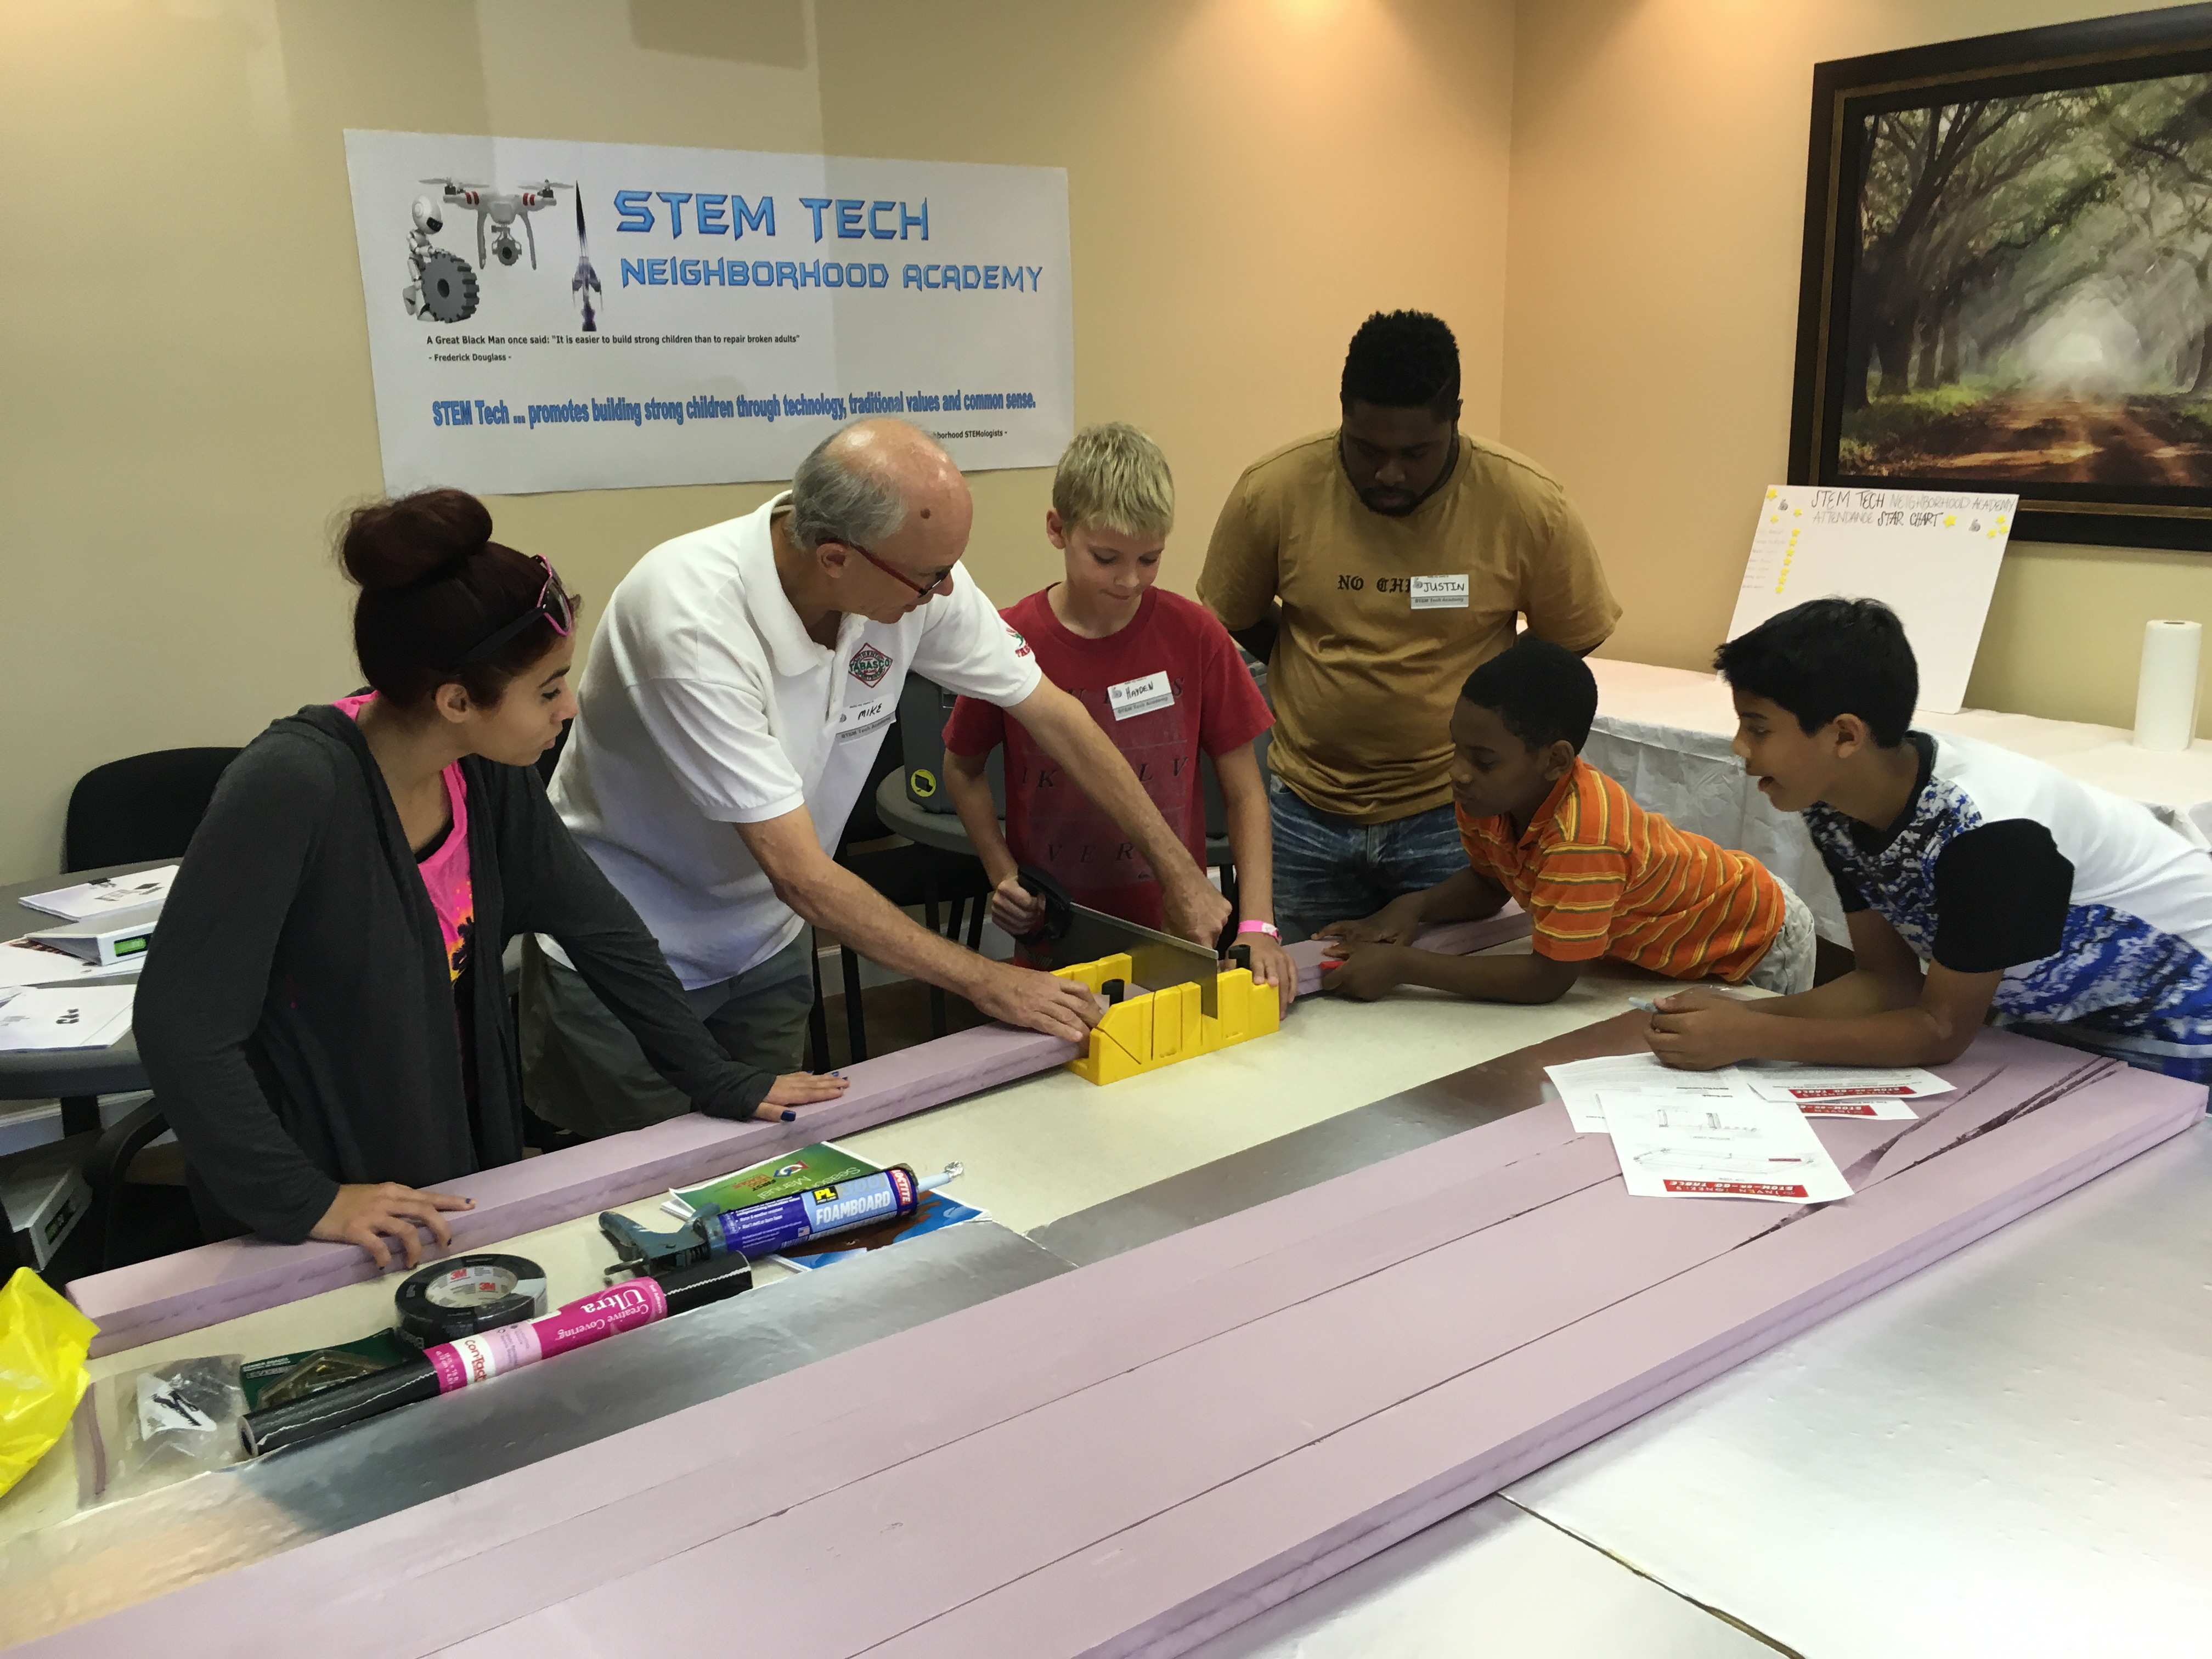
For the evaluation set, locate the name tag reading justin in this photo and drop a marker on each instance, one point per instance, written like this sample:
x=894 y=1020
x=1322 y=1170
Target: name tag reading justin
x=1439 y=592
x=1134 y=697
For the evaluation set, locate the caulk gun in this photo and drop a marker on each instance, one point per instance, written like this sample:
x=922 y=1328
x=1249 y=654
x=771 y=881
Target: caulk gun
x=768 y=1228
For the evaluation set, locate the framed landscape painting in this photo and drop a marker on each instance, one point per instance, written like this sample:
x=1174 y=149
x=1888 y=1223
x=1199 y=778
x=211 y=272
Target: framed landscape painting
x=2008 y=277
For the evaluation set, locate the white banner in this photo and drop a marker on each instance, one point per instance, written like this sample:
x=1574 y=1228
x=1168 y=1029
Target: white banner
x=546 y=315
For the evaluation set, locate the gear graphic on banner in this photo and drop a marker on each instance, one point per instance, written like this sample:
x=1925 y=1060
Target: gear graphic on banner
x=449 y=287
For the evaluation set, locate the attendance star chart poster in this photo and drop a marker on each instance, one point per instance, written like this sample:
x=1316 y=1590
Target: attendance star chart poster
x=1930 y=555
x=545 y=315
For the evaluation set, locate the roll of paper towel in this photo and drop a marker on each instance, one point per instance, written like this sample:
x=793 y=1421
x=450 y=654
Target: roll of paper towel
x=2165 y=695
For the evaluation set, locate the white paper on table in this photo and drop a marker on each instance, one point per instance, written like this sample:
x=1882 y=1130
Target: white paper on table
x=1578 y=1081
x=1710 y=1145
x=1586 y=1116
x=1777 y=1080
x=66 y=1016
x=23 y=963
x=105 y=896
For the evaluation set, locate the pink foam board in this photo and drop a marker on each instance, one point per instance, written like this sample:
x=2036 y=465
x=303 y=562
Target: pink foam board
x=1056 y=1480
x=1112 y=1567
x=1188 y=1438
x=199 y=1288
x=1245 y=1308
x=695 y=1475
x=1352 y=1493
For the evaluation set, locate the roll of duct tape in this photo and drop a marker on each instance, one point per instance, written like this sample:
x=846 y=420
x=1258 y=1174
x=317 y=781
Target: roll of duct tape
x=454 y=1299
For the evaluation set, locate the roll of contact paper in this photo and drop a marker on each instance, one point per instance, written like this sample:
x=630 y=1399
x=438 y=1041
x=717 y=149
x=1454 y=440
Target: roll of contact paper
x=2165 y=695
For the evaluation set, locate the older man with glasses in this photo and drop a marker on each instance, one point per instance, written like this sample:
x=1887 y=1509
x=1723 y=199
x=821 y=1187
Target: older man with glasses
x=739 y=685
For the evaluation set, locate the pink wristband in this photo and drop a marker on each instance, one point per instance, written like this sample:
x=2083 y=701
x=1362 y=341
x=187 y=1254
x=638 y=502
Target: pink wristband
x=1267 y=927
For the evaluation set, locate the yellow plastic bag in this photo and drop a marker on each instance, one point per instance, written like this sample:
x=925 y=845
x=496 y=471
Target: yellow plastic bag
x=43 y=1341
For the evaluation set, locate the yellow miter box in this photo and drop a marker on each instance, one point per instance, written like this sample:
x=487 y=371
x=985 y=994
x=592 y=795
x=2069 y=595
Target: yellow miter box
x=1159 y=1028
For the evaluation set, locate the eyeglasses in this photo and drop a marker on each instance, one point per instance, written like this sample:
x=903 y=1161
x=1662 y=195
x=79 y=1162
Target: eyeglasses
x=924 y=589
x=553 y=607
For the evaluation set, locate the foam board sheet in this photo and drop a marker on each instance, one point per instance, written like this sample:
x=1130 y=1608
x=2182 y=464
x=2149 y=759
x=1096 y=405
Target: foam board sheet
x=195 y=1288
x=1132 y=1457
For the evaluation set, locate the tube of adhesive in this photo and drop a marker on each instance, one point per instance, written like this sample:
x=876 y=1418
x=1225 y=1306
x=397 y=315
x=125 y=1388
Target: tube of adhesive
x=767 y=1228
x=451 y=1366
x=759 y=1230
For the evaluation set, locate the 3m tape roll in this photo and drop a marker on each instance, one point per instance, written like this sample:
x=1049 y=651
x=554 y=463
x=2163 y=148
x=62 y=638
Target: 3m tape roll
x=2166 y=694
x=454 y=1299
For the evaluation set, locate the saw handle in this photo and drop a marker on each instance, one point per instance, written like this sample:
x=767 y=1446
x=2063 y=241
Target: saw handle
x=1060 y=915
x=1059 y=908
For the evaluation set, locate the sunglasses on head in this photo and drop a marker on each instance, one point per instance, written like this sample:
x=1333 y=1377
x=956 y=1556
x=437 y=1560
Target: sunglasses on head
x=552 y=607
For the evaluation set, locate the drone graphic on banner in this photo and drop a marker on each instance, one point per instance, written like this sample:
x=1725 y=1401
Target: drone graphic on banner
x=545 y=315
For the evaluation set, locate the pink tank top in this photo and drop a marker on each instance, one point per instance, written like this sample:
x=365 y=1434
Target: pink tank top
x=444 y=872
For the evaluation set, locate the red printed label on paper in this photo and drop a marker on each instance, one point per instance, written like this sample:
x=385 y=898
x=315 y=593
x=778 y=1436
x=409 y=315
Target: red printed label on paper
x=1748 y=1189
x=1847 y=1094
x=1839 y=1109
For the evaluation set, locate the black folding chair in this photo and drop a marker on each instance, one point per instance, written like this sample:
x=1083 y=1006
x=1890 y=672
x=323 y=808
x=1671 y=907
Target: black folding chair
x=144 y=806
x=128 y=812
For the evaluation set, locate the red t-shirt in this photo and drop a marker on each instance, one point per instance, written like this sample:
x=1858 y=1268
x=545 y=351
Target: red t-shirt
x=1050 y=823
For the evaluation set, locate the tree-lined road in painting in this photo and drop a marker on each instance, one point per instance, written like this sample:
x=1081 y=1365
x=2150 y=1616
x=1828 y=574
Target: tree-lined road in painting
x=2031 y=300
x=2067 y=440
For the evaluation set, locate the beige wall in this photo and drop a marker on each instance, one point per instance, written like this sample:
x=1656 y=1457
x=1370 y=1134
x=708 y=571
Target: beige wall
x=187 y=393
x=1658 y=182
x=187 y=396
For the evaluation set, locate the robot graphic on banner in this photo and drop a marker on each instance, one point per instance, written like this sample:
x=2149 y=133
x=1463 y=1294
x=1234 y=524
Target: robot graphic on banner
x=443 y=286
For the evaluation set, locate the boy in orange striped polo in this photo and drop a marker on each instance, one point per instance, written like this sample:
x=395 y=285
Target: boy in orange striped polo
x=1598 y=875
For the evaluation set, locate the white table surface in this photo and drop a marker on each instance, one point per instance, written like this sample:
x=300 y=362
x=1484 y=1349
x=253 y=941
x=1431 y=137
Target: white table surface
x=1664 y=734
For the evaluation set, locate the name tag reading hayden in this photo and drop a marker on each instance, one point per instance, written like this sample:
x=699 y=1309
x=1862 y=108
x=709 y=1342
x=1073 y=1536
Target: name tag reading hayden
x=1134 y=697
x=1439 y=592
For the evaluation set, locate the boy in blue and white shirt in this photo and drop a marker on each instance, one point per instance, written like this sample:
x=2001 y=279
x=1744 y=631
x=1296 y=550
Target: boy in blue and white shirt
x=1974 y=881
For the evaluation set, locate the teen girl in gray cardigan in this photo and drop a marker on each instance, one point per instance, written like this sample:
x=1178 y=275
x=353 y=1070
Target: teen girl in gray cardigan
x=323 y=1015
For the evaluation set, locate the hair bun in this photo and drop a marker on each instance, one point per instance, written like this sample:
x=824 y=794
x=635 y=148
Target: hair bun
x=388 y=545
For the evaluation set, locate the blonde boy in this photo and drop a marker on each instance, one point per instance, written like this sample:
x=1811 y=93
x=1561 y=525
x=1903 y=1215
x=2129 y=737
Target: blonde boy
x=1158 y=673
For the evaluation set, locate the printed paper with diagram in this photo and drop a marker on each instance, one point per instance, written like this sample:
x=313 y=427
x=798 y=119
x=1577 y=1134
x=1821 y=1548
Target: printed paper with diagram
x=1701 y=1143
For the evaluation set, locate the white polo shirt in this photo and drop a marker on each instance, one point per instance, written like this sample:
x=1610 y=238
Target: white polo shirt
x=704 y=705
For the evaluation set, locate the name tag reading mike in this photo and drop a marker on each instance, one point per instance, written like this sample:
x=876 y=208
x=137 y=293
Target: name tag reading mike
x=1134 y=697
x=1439 y=592
x=858 y=719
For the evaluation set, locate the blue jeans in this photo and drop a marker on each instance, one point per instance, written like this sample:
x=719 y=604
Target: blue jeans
x=1330 y=869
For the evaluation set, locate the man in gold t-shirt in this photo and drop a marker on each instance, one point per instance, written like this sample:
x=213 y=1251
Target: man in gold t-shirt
x=1375 y=568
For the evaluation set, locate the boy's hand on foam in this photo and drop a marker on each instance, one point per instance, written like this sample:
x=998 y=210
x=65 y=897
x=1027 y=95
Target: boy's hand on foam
x=1396 y=923
x=1367 y=971
x=1272 y=965
x=1015 y=908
